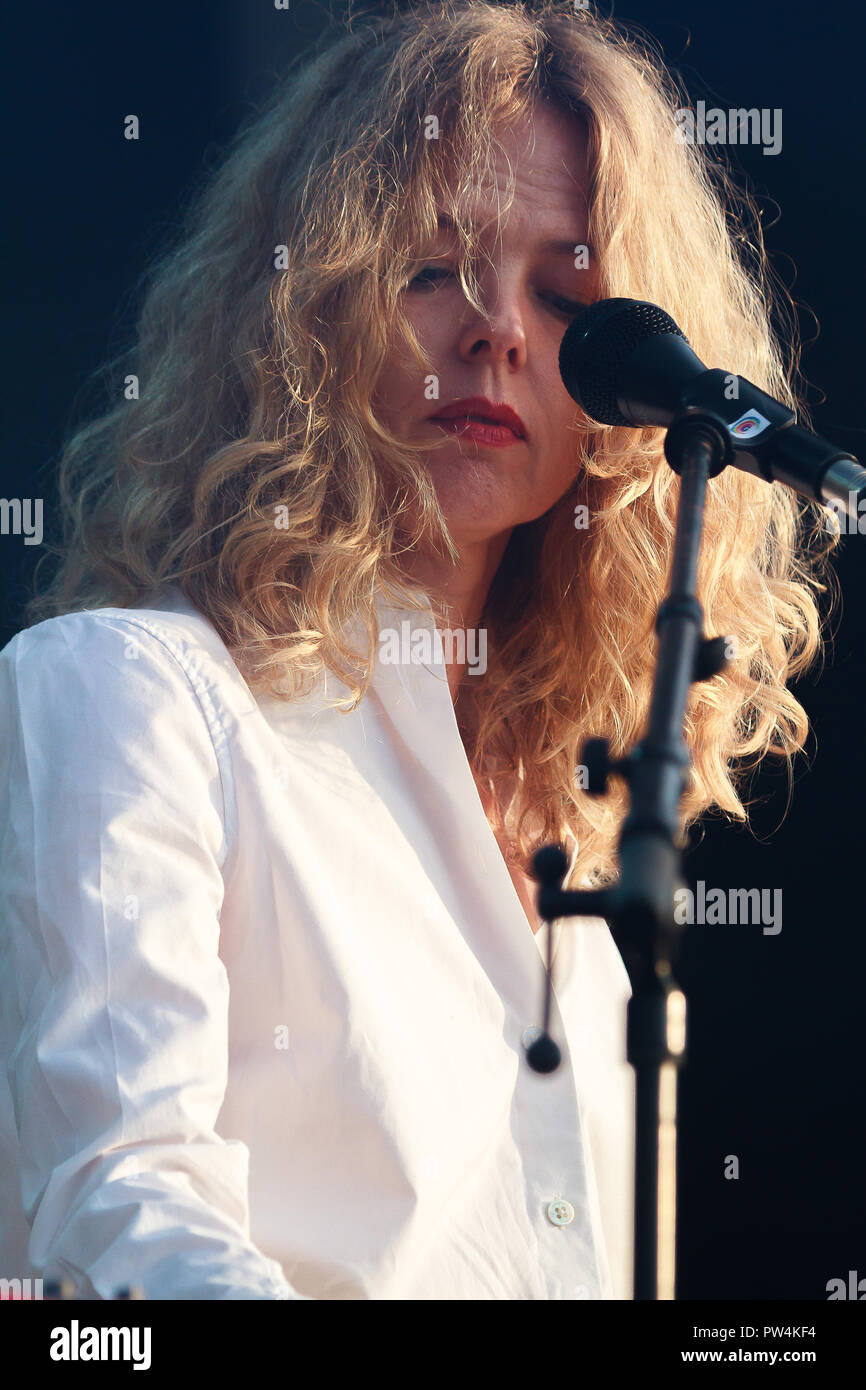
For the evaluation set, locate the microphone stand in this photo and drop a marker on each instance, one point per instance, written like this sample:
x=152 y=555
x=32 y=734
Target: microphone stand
x=639 y=905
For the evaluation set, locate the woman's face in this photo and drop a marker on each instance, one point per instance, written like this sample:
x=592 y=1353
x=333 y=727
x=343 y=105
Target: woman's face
x=531 y=290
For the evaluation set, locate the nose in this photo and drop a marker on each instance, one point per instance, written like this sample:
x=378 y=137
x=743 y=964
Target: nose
x=498 y=334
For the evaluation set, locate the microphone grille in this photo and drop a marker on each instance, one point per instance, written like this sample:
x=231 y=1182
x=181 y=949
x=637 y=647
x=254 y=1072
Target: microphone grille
x=597 y=343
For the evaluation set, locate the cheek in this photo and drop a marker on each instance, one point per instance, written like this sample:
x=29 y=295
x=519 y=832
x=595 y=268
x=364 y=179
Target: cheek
x=563 y=422
x=433 y=317
x=404 y=383
x=400 y=385
x=567 y=412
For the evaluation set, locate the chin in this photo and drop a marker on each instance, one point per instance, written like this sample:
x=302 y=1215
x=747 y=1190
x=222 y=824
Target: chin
x=474 y=488
x=476 y=517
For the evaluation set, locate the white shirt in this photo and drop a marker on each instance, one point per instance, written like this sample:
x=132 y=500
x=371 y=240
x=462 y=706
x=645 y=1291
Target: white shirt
x=264 y=978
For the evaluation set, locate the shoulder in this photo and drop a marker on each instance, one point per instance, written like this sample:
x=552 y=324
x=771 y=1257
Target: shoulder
x=116 y=711
x=120 y=660
x=172 y=625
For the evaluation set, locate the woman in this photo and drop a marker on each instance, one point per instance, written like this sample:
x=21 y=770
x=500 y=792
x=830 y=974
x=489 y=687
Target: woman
x=270 y=951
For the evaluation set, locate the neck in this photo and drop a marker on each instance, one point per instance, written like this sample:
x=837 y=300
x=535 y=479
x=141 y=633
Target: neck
x=462 y=589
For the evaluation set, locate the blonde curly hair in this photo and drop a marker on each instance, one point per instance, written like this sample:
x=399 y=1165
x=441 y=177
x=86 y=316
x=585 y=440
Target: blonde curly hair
x=261 y=338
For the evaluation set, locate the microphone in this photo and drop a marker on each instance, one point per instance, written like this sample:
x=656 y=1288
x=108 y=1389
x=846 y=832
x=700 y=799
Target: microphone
x=625 y=362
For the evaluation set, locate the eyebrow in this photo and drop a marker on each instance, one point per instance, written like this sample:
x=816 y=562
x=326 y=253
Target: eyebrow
x=562 y=245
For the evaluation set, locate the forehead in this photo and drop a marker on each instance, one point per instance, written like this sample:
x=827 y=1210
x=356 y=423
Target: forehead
x=546 y=150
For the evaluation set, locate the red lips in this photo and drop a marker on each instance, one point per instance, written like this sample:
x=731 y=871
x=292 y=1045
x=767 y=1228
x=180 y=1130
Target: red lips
x=480 y=408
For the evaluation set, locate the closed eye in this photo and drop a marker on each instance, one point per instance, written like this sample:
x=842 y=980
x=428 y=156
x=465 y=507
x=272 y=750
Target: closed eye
x=557 y=301
x=428 y=270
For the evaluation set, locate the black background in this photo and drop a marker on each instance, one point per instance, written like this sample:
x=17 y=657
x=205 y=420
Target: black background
x=776 y=1057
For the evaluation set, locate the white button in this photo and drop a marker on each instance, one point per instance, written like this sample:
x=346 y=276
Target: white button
x=530 y=1034
x=560 y=1212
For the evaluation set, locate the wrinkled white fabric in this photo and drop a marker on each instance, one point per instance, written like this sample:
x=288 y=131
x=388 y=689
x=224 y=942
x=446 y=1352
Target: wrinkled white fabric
x=264 y=978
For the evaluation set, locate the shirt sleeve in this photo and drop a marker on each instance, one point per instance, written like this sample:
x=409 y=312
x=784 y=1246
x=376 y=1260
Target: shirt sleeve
x=113 y=996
